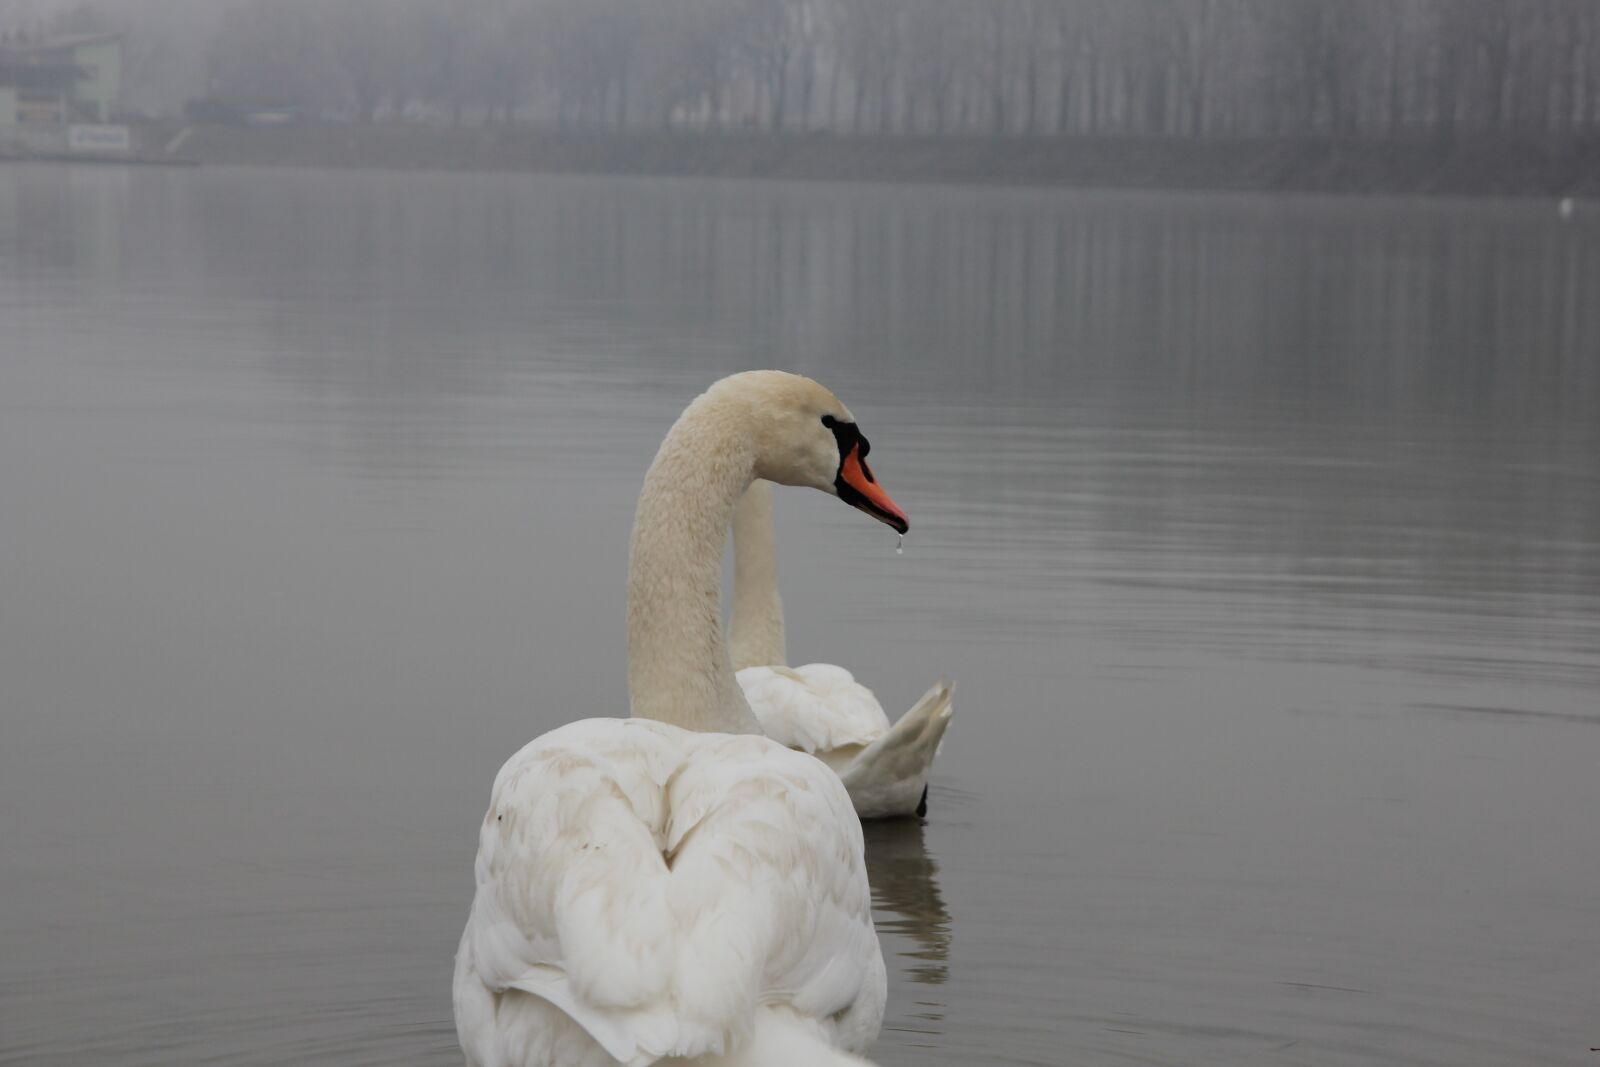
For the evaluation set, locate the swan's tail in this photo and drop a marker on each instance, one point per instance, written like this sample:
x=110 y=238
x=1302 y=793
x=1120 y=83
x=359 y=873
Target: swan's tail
x=779 y=1039
x=890 y=776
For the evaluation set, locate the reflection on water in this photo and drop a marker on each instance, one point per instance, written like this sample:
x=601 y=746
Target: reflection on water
x=1262 y=536
x=905 y=892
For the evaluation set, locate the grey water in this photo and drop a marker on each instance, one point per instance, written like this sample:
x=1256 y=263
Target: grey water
x=1261 y=536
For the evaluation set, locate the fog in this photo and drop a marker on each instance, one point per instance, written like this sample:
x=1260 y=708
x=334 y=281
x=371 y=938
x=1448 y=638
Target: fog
x=1211 y=68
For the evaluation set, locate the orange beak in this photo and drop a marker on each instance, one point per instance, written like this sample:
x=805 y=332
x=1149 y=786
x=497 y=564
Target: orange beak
x=858 y=488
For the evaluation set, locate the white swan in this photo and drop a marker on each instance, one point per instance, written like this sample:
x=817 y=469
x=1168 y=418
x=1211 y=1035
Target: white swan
x=676 y=884
x=820 y=708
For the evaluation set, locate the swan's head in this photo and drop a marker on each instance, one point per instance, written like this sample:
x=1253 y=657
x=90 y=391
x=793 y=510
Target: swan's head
x=805 y=436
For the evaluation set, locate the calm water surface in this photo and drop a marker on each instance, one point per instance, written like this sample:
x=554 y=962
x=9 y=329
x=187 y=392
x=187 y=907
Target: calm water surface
x=1262 y=536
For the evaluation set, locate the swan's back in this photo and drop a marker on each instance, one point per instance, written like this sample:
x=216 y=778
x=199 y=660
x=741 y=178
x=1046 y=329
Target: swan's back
x=643 y=890
x=818 y=708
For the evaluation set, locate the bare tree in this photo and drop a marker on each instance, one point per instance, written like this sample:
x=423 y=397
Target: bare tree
x=1193 y=68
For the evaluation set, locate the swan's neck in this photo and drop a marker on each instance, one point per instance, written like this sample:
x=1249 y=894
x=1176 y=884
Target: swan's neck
x=679 y=670
x=756 y=628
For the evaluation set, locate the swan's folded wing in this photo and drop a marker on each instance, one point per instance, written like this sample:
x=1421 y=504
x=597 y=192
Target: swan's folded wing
x=815 y=708
x=629 y=1037
x=570 y=904
x=656 y=885
x=770 y=888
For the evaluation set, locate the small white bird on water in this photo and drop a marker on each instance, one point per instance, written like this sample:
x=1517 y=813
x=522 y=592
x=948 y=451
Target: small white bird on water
x=676 y=885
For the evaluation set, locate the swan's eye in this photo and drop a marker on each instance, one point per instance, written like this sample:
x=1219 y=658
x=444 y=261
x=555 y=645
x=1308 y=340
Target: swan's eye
x=846 y=434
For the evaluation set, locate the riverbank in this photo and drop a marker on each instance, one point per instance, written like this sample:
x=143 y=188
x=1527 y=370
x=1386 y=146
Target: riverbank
x=1464 y=167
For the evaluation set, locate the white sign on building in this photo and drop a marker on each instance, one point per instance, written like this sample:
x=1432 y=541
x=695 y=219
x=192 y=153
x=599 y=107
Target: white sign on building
x=86 y=138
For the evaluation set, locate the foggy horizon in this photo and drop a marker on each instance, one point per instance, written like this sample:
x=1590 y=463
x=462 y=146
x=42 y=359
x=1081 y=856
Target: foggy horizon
x=1041 y=68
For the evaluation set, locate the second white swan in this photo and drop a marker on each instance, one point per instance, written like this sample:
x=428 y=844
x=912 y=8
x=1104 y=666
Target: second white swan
x=820 y=708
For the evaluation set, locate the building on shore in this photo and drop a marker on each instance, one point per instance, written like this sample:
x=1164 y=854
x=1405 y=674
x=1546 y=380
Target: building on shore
x=49 y=86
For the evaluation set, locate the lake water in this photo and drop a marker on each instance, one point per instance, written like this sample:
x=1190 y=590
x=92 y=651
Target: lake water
x=1261 y=535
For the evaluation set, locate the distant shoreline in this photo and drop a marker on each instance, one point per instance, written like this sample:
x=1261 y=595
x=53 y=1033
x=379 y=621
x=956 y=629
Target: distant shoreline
x=1476 y=166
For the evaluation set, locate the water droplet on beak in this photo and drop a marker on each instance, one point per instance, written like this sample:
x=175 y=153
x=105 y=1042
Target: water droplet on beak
x=900 y=547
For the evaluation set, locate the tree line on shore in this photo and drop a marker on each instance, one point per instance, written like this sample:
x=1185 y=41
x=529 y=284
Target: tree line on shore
x=1203 y=68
